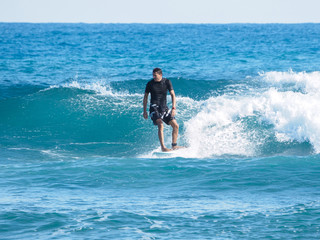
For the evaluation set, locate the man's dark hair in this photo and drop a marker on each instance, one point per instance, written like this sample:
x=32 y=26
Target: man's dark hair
x=157 y=70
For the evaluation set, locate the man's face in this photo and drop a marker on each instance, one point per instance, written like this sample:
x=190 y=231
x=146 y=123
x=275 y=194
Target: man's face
x=157 y=77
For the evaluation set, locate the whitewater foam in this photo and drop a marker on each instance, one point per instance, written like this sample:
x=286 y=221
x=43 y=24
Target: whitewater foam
x=220 y=127
x=97 y=87
x=100 y=88
x=216 y=131
x=294 y=81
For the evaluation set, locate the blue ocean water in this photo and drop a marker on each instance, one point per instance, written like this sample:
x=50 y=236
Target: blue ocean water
x=78 y=160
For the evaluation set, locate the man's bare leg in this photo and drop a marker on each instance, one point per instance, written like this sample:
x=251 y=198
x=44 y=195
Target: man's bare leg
x=175 y=132
x=160 y=134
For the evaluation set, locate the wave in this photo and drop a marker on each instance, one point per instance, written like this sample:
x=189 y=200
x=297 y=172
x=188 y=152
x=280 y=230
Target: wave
x=281 y=116
x=269 y=114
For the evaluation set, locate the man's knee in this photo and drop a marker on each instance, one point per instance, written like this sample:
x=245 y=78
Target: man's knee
x=175 y=125
x=159 y=123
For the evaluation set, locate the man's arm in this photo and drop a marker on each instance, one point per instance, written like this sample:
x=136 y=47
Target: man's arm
x=173 y=98
x=145 y=102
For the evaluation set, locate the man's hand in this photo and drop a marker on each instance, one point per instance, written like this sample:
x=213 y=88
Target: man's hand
x=145 y=115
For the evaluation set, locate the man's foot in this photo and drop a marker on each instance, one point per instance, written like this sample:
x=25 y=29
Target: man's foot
x=177 y=147
x=165 y=149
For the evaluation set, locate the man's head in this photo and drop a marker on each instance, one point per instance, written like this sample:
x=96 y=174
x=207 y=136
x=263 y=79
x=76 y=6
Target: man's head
x=157 y=74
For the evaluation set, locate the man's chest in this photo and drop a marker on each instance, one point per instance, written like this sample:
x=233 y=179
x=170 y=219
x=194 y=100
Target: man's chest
x=159 y=88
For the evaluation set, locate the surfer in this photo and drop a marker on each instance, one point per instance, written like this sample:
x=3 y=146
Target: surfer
x=159 y=111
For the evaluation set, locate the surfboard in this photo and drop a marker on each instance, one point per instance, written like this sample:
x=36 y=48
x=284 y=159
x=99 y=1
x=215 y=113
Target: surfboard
x=162 y=154
x=166 y=154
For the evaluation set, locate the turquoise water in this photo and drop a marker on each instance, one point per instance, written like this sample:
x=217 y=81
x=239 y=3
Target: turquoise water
x=78 y=160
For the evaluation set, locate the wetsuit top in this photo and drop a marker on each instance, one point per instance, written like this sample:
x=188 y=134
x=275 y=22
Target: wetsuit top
x=158 y=91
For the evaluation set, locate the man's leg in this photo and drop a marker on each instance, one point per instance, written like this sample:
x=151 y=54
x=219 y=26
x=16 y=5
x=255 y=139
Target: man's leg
x=160 y=134
x=175 y=131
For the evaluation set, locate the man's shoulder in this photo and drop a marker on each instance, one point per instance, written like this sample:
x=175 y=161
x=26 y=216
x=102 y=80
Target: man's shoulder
x=150 y=82
x=167 y=80
x=149 y=86
x=168 y=84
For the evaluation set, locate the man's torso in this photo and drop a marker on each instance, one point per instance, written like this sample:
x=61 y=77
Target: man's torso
x=159 y=91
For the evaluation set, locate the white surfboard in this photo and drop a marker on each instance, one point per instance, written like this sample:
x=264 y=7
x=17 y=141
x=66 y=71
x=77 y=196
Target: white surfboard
x=159 y=153
x=162 y=154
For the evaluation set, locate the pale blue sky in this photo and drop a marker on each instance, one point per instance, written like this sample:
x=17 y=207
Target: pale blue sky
x=164 y=11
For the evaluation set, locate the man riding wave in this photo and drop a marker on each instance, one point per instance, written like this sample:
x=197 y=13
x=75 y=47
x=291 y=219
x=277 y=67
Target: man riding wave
x=159 y=111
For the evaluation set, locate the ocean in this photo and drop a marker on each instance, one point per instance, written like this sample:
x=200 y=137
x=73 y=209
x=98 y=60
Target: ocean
x=78 y=160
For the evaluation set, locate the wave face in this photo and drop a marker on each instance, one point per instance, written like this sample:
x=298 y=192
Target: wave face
x=271 y=113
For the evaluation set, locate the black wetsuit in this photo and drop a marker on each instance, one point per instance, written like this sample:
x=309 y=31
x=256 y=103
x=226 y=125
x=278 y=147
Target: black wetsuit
x=158 y=103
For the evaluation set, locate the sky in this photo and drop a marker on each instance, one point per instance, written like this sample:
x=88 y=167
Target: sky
x=164 y=11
